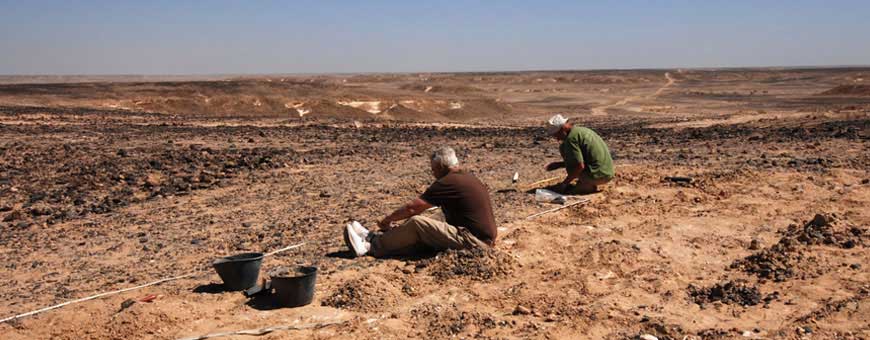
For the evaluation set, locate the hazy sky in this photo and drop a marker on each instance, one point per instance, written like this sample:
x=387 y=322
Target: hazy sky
x=209 y=37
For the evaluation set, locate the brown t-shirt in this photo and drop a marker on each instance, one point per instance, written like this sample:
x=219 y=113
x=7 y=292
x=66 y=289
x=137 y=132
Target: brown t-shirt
x=465 y=203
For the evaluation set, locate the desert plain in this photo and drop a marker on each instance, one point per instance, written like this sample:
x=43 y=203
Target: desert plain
x=117 y=181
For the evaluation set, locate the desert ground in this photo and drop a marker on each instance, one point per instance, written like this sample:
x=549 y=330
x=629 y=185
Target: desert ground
x=113 y=182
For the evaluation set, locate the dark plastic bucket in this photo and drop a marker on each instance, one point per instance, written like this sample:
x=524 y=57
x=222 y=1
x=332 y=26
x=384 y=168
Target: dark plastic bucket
x=297 y=288
x=239 y=272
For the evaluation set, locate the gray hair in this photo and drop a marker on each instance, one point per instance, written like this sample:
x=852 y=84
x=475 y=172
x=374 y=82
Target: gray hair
x=445 y=156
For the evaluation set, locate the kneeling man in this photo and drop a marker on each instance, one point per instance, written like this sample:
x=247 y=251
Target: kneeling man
x=585 y=156
x=464 y=201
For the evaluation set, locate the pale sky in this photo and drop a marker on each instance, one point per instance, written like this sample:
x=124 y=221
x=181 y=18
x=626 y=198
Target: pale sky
x=321 y=36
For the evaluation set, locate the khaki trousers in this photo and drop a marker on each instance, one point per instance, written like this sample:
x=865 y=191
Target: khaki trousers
x=587 y=185
x=419 y=233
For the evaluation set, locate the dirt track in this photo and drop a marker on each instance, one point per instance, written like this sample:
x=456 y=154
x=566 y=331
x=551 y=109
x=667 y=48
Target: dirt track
x=96 y=199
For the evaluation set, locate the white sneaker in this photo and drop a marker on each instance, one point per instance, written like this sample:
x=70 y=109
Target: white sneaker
x=355 y=242
x=361 y=231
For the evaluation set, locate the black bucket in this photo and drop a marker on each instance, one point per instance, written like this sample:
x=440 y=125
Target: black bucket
x=297 y=288
x=239 y=272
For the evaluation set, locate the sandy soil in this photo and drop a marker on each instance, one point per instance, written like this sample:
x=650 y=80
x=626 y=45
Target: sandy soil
x=769 y=240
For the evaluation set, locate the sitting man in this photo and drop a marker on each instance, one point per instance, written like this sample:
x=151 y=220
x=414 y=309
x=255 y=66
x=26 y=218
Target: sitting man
x=585 y=156
x=464 y=201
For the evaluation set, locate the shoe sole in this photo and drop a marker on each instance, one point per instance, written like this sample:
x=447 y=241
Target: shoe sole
x=347 y=241
x=350 y=243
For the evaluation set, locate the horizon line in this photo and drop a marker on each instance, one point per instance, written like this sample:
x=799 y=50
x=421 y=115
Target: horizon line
x=698 y=68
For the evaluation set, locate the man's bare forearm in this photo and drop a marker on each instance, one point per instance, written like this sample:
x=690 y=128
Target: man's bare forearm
x=405 y=212
x=413 y=208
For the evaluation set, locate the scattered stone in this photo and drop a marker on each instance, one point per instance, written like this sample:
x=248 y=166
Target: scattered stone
x=647 y=337
x=41 y=210
x=729 y=292
x=827 y=229
x=787 y=258
x=246 y=224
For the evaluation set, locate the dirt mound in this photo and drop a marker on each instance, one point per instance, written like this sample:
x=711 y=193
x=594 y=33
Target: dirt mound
x=442 y=322
x=848 y=90
x=476 y=264
x=369 y=294
x=827 y=229
x=779 y=262
x=728 y=292
x=786 y=258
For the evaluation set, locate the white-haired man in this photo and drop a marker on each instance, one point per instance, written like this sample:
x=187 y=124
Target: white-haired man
x=463 y=199
x=585 y=157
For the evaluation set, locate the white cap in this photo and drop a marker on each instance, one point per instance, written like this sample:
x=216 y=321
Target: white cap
x=555 y=124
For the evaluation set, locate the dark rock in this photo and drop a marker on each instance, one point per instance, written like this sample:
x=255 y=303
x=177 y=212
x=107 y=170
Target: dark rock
x=520 y=310
x=755 y=244
x=15 y=215
x=41 y=210
x=729 y=292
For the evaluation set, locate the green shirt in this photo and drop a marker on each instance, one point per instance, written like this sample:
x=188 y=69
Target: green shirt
x=585 y=146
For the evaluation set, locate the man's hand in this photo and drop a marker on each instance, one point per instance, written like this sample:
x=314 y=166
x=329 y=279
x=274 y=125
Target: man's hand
x=384 y=224
x=555 y=165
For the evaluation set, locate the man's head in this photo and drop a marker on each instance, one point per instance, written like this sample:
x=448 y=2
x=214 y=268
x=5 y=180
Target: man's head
x=443 y=160
x=558 y=127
